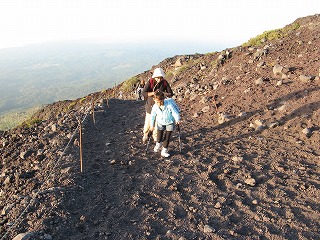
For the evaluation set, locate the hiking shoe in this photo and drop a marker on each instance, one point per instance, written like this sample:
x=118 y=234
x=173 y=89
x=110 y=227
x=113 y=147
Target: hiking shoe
x=157 y=147
x=164 y=152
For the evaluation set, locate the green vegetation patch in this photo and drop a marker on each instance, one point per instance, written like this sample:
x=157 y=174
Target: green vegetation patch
x=215 y=63
x=16 y=118
x=169 y=75
x=31 y=122
x=271 y=35
x=72 y=105
x=129 y=84
x=182 y=69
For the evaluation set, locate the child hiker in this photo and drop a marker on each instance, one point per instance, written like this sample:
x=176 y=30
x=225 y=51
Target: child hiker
x=167 y=114
x=155 y=83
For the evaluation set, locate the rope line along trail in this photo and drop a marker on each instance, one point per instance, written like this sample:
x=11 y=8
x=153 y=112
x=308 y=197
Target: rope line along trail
x=17 y=221
x=80 y=143
x=91 y=105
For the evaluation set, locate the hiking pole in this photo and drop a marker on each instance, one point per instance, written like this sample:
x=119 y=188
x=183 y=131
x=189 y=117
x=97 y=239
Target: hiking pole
x=179 y=136
x=149 y=137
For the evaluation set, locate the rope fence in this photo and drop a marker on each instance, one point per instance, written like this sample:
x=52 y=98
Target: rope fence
x=50 y=173
x=16 y=222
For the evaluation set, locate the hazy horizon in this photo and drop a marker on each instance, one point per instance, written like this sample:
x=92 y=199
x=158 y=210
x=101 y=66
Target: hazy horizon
x=40 y=74
x=176 y=47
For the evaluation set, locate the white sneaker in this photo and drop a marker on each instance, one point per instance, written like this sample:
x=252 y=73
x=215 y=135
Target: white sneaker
x=164 y=152
x=157 y=147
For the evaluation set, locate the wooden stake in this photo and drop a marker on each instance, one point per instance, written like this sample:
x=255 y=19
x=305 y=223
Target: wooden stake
x=80 y=142
x=93 y=117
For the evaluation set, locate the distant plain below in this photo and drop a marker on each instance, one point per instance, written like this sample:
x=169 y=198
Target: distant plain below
x=35 y=75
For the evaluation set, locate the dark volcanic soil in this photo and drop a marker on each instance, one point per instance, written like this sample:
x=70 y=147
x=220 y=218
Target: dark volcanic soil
x=227 y=183
x=248 y=169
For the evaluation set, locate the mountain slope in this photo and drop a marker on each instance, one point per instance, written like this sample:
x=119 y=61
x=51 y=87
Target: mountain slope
x=45 y=73
x=248 y=169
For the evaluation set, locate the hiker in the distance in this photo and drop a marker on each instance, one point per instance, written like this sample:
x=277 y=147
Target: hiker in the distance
x=139 y=90
x=167 y=114
x=156 y=82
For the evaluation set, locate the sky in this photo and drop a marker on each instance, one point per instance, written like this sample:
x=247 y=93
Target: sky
x=226 y=22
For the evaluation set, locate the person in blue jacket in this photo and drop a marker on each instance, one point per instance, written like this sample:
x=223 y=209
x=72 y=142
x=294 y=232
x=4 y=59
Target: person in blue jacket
x=167 y=114
x=156 y=83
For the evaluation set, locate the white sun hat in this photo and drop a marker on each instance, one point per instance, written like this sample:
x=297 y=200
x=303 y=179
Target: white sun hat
x=158 y=72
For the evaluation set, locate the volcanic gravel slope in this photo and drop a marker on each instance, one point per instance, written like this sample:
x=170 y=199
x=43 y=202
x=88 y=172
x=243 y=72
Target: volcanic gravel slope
x=248 y=167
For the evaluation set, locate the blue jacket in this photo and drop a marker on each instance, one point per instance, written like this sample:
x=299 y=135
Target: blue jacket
x=168 y=115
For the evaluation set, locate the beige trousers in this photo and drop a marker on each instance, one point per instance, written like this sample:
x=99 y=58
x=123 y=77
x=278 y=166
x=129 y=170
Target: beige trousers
x=147 y=125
